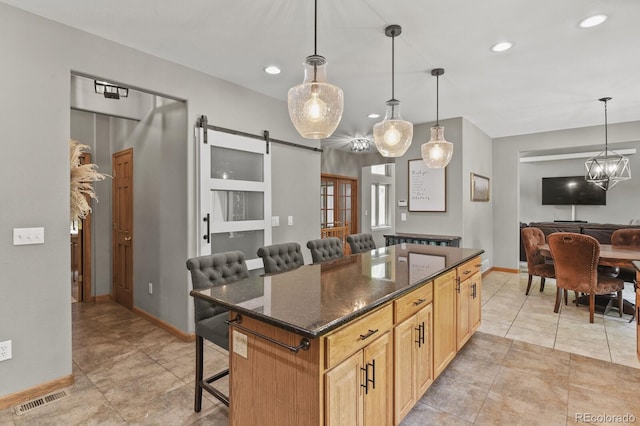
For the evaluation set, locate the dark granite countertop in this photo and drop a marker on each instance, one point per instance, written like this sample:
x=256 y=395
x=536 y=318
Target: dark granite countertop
x=315 y=299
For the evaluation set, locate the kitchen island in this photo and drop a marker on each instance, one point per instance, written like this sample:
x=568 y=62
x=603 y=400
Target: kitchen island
x=353 y=341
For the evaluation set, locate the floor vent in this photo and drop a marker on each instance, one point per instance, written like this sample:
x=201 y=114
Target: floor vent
x=39 y=402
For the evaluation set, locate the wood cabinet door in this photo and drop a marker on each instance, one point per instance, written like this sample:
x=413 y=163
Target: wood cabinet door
x=463 y=310
x=344 y=397
x=423 y=361
x=476 y=301
x=444 y=322
x=378 y=400
x=405 y=342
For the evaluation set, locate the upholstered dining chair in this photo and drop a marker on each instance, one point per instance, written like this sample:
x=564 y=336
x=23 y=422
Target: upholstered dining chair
x=281 y=257
x=211 y=271
x=536 y=266
x=325 y=249
x=360 y=243
x=576 y=259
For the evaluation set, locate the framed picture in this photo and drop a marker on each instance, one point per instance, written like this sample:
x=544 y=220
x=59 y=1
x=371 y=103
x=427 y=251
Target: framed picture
x=479 y=188
x=427 y=188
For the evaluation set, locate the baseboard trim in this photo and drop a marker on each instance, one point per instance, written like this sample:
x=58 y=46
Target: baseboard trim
x=498 y=269
x=35 y=392
x=185 y=337
x=103 y=298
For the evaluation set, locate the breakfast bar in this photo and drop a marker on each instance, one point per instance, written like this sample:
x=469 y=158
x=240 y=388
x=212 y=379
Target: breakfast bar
x=354 y=341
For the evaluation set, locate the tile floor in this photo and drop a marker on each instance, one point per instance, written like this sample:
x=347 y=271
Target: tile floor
x=127 y=371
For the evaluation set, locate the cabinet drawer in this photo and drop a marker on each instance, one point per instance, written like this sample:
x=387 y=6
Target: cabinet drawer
x=468 y=269
x=353 y=337
x=411 y=303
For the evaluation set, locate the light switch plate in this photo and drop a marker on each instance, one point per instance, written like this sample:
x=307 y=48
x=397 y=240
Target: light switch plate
x=289 y=220
x=22 y=236
x=403 y=216
x=275 y=220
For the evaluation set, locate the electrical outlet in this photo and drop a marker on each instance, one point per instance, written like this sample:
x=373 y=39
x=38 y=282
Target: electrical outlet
x=150 y=288
x=5 y=350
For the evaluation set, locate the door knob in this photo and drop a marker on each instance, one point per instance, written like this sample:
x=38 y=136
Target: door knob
x=127 y=238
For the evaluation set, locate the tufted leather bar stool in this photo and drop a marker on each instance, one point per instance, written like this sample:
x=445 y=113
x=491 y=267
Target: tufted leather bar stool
x=211 y=271
x=281 y=257
x=576 y=259
x=360 y=243
x=325 y=249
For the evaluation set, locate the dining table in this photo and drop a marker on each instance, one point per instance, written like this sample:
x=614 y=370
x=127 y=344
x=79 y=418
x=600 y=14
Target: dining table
x=621 y=256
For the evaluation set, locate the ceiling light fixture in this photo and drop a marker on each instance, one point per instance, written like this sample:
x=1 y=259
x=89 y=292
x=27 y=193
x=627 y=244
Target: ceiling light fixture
x=393 y=135
x=593 y=21
x=272 y=69
x=360 y=144
x=373 y=115
x=607 y=168
x=502 y=46
x=315 y=106
x=437 y=152
x=110 y=91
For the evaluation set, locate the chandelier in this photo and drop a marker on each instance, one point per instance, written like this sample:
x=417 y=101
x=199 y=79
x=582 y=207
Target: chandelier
x=360 y=144
x=608 y=167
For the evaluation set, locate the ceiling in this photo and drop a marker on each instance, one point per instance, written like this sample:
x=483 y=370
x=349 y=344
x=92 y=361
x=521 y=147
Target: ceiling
x=551 y=79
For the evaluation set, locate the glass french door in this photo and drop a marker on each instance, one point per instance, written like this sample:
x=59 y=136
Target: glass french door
x=235 y=194
x=339 y=202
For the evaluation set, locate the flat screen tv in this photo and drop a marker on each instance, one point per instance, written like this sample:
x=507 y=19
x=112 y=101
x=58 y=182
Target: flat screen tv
x=572 y=190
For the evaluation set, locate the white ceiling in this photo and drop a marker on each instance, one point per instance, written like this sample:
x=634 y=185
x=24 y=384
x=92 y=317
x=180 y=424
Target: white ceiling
x=551 y=78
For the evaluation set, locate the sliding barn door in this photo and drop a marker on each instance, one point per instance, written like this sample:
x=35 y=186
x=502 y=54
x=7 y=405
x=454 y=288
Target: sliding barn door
x=235 y=194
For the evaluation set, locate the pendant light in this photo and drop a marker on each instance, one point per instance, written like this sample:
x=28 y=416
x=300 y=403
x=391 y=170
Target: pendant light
x=437 y=152
x=607 y=168
x=392 y=135
x=315 y=106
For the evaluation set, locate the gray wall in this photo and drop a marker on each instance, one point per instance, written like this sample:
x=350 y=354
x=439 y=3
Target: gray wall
x=623 y=202
x=39 y=57
x=506 y=176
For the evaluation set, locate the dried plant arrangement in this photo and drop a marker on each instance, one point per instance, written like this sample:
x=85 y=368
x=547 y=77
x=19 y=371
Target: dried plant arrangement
x=82 y=178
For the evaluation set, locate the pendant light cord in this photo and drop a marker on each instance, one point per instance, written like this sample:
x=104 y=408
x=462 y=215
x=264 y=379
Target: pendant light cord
x=393 y=66
x=437 y=100
x=315 y=29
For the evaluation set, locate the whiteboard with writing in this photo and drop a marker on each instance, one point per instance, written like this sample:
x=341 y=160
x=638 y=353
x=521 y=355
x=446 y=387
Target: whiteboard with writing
x=427 y=188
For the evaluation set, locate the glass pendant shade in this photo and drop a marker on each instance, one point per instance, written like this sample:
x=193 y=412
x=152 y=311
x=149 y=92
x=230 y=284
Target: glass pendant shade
x=607 y=169
x=315 y=106
x=437 y=152
x=393 y=135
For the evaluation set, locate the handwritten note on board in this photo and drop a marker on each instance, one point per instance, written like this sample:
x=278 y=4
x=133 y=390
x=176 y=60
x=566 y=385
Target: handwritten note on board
x=426 y=188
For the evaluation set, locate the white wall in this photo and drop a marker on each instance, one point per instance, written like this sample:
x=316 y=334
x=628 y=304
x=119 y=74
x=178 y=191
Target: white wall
x=506 y=176
x=39 y=57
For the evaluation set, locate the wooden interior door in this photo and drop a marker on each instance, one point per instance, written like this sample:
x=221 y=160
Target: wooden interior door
x=339 y=202
x=123 y=227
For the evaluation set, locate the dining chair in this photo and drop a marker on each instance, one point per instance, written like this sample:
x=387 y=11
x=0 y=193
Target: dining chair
x=536 y=263
x=281 y=257
x=630 y=238
x=576 y=259
x=325 y=249
x=212 y=271
x=360 y=243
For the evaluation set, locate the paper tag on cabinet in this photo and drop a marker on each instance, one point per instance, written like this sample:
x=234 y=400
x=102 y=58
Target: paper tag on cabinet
x=240 y=344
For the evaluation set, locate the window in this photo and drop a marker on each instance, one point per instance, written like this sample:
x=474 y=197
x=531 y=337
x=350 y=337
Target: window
x=380 y=169
x=379 y=205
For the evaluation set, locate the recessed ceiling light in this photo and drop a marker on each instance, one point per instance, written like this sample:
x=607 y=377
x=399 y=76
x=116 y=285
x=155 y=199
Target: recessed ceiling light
x=502 y=46
x=373 y=115
x=593 y=21
x=272 y=69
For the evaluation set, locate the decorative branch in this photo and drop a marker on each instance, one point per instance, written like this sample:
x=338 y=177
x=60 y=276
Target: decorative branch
x=82 y=178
